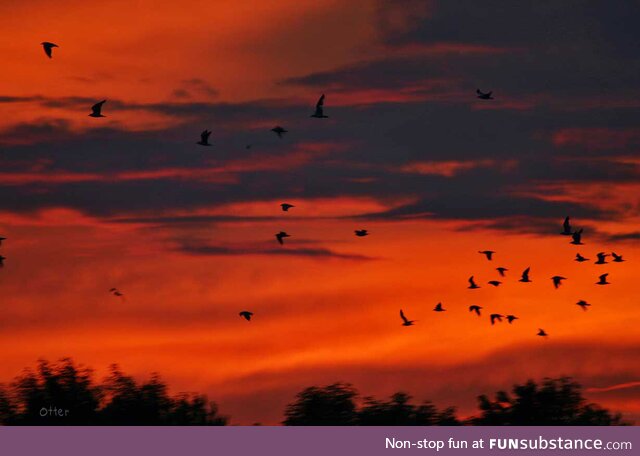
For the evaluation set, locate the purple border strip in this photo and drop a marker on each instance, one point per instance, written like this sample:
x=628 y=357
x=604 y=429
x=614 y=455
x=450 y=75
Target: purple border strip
x=307 y=441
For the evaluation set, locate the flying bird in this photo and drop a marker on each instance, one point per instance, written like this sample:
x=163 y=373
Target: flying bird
x=2 y=239
x=319 y=109
x=602 y=258
x=475 y=309
x=2 y=261
x=286 y=206
x=603 y=280
x=484 y=96
x=576 y=238
x=617 y=258
x=439 y=308
x=472 y=284
x=580 y=258
x=406 y=321
x=510 y=318
x=48 y=48
x=361 y=233
x=204 y=138
x=501 y=271
x=566 y=227
x=495 y=283
x=281 y=235
x=583 y=304
x=246 y=315
x=557 y=281
x=278 y=130
x=96 y=109
x=116 y=292
x=488 y=253
x=525 y=276
x=541 y=333
x=495 y=317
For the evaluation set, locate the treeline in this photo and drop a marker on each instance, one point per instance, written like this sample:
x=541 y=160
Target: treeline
x=66 y=394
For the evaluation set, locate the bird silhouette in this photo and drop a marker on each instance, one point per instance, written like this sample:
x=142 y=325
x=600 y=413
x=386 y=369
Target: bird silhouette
x=542 y=333
x=406 y=321
x=602 y=258
x=2 y=261
x=510 y=318
x=439 y=308
x=319 y=109
x=48 y=48
x=204 y=138
x=566 y=227
x=501 y=271
x=278 y=130
x=583 y=304
x=525 y=276
x=576 y=238
x=361 y=233
x=2 y=239
x=557 y=281
x=495 y=317
x=475 y=309
x=286 y=206
x=246 y=315
x=116 y=292
x=472 y=284
x=488 y=254
x=96 y=109
x=617 y=258
x=484 y=96
x=495 y=283
x=281 y=235
x=580 y=258
x=603 y=280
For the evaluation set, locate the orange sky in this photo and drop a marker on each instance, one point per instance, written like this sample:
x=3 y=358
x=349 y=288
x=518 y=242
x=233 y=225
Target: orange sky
x=187 y=235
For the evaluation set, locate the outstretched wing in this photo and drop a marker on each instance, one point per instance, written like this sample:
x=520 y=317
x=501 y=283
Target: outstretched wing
x=320 y=102
x=96 y=108
x=403 y=317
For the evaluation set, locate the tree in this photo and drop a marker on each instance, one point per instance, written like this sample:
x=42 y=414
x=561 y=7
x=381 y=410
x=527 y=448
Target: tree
x=332 y=405
x=399 y=412
x=556 y=402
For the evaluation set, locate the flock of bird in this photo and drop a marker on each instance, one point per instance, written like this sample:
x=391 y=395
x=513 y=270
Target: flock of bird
x=576 y=239
x=576 y=235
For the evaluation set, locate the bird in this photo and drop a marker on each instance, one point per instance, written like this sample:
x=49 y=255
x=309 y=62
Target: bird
x=602 y=258
x=583 y=304
x=2 y=239
x=501 y=271
x=603 y=280
x=278 y=130
x=557 y=281
x=286 y=206
x=510 y=318
x=204 y=138
x=495 y=283
x=484 y=96
x=406 y=321
x=525 y=275
x=495 y=317
x=439 y=308
x=96 y=109
x=281 y=235
x=2 y=261
x=580 y=258
x=576 y=238
x=48 y=48
x=617 y=258
x=475 y=309
x=116 y=292
x=566 y=227
x=542 y=333
x=319 y=114
x=472 y=284
x=488 y=253
x=361 y=233
x=246 y=315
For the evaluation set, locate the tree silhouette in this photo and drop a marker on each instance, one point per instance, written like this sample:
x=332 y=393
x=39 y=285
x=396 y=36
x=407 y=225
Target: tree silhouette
x=332 y=405
x=399 y=412
x=64 y=394
x=556 y=402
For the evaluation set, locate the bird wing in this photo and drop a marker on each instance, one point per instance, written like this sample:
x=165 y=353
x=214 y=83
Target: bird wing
x=320 y=102
x=403 y=317
x=98 y=106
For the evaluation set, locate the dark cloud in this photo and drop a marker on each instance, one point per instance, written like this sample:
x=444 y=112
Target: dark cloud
x=259 y=249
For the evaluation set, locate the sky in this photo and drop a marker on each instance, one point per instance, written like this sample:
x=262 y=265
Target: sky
x=408 y=152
